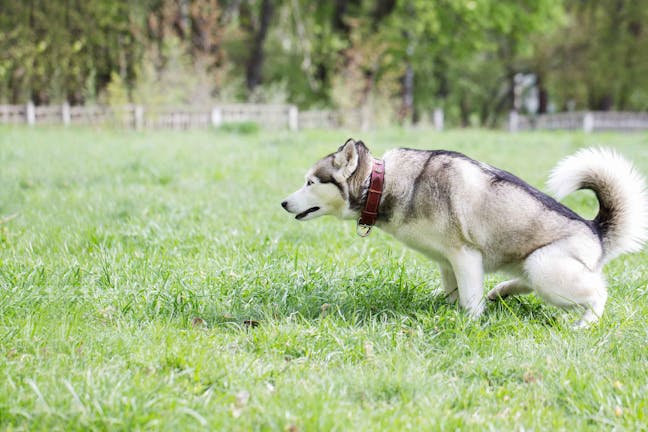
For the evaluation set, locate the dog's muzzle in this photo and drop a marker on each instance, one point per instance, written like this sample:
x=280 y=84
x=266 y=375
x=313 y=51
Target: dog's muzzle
x=301 y=215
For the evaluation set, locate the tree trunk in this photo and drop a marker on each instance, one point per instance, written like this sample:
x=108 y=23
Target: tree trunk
x=382 y=9
x=407 y=101
x=341 y=9
x=464 y=107
x=543 y=95
x=407 y=94
x=255 y=63
x=604 y=103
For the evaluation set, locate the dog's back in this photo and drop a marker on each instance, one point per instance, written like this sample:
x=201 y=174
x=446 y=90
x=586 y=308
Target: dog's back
x=472 y=204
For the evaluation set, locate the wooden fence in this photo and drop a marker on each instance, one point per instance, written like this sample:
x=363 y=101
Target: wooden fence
x=186 y=117
x=587 y=121
x=285 y=117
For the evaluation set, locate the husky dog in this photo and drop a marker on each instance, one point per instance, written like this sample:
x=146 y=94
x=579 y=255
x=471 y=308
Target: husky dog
x=472 y=218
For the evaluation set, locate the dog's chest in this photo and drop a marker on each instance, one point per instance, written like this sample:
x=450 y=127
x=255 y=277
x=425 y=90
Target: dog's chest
x=421 y=237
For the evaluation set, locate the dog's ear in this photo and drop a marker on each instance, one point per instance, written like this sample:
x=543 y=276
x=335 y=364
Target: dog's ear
x=346 y=158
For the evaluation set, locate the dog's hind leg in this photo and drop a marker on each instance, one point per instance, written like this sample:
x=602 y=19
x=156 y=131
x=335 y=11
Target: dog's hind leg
x=449 y=283
x=509 y=288
x=469 y=271
x=593 y=310
x=561 y=278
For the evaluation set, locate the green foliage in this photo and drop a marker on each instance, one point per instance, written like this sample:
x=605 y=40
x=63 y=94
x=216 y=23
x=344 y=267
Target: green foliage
x=349 y=54
x=48 y=49
x=601 y=53
x=116 y=91
x=172 y=79
x=243 y=128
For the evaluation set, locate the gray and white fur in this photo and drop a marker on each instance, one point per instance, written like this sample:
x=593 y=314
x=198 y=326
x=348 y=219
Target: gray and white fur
x=472 y=218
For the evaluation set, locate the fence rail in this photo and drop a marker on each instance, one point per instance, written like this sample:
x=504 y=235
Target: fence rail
x=184 y=117
x=13 y=113
x=285 y=117
x=587 y=121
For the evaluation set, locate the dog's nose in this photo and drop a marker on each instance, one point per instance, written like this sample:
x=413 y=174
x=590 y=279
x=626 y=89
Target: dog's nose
x=284 y=204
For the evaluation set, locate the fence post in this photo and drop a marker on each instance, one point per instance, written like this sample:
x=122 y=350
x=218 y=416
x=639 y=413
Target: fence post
x=513 y=121
x=65 y=113
x=216 y=117
x=30 y=113
x=365 y=117
x=588 y=122
x=293 y=118
x=139 y=117
x=438 y=119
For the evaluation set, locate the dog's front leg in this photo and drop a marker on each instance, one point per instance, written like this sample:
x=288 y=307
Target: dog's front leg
x=449 y=283
x=469 y=271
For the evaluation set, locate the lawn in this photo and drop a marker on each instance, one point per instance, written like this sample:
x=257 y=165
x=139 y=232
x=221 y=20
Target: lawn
x=151 y=280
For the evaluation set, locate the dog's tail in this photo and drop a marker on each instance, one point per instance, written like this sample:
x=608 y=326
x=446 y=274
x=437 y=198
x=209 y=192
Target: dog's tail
x=622 y=219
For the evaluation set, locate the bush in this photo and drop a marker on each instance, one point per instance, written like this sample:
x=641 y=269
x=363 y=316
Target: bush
x=242 y=128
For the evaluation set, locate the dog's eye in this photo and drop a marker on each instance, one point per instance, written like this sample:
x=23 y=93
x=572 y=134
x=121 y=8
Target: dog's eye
x=309 y=182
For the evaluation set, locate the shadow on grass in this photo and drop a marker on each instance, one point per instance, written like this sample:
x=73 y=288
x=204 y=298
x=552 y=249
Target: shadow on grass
x=358 y=300
x=252 y=297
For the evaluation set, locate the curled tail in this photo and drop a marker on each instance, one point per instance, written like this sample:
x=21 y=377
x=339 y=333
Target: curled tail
x=620 y=189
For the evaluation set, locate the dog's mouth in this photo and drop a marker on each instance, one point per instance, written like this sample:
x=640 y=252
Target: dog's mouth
x=303 y=214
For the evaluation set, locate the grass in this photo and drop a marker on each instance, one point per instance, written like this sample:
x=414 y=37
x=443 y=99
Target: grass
x=152 y=281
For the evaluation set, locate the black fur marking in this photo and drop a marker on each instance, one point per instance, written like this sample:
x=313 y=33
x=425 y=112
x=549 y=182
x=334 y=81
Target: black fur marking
x=417 y=185
x=439 y=190
x=325 y=176
x=434 y=153
x=605 y=219
x=386 y=208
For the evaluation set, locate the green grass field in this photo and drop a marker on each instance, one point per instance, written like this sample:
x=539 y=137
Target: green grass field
x=135 y=267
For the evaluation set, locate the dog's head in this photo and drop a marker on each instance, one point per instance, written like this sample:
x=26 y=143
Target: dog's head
x=333 y=185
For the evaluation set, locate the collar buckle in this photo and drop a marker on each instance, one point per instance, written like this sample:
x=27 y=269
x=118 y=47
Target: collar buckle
x=363 y=230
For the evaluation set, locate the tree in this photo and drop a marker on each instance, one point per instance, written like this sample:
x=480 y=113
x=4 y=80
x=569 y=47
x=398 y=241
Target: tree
x=397 y=58
x=602 y=53
x=260 y=33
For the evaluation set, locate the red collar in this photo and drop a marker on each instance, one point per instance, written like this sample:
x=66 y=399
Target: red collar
x=370 y=212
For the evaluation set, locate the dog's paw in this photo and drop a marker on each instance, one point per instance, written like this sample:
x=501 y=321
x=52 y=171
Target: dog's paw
x=475 y=310
x=451 y=298
x=508 y=288
x=581 y=325
x=587 y=322
x=495 y=294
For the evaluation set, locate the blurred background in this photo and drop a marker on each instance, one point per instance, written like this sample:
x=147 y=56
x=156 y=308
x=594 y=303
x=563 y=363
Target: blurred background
x=476 y=60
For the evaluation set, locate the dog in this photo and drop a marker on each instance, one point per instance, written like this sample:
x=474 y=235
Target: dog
x=472 y=218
